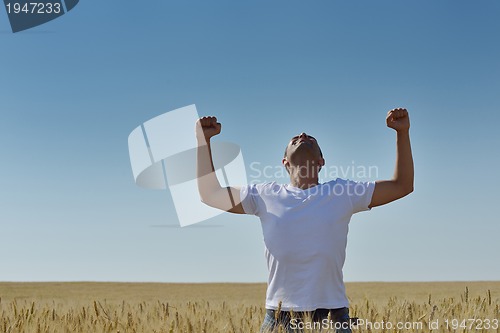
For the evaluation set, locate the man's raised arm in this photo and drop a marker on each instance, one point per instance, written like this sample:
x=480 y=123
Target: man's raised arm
x=402 y=182
x=211 y=193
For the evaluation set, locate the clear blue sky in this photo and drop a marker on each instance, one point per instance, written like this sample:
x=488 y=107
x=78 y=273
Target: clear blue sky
x=73 y=89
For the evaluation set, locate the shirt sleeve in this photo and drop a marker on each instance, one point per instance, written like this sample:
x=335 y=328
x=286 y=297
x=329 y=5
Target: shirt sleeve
x=249 y=196
x=360 y=194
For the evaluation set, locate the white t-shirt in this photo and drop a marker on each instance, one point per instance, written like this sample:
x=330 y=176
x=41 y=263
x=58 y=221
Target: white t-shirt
x=305 y=236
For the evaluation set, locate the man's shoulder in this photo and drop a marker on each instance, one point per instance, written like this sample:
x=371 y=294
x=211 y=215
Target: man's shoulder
x=264 y=184
x=336 y=181
x=339 y=186
x=341 y=181
x=259 y=187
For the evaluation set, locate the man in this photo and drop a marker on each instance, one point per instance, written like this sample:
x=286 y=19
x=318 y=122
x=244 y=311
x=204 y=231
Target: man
x=305 y=223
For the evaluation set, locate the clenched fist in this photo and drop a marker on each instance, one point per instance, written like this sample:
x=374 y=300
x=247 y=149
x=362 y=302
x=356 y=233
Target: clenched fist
x=398 y=119
x=207 y=127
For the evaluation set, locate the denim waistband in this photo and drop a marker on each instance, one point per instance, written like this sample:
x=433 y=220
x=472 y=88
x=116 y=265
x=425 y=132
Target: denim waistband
x=339 y=315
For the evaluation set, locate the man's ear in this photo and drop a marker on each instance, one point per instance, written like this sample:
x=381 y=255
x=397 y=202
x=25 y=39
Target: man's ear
x=285 y=163
x=321 y=163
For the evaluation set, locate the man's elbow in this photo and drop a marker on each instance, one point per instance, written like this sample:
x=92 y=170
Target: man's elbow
x=209 y=199
x=208 y=202
x=203 y=197
x=407 y=190
x=403 y=188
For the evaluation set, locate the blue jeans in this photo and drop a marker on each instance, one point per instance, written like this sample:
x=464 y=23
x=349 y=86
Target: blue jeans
x=339 y=321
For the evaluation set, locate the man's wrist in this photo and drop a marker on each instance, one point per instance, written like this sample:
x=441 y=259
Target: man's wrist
x=403 y=132
x=202 y=139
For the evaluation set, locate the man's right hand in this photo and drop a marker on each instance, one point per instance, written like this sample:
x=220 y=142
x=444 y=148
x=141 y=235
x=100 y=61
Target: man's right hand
x=207 y=127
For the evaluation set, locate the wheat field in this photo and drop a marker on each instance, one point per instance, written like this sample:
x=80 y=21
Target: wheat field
x=157 y=307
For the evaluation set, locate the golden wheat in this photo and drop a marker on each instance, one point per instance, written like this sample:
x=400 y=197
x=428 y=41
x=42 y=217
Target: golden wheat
x=213 y=308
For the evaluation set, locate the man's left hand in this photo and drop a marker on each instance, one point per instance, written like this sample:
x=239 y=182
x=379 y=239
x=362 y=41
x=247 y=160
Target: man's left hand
x=398 y=119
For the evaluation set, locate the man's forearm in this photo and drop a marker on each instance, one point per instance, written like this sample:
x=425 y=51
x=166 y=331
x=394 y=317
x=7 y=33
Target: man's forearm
x=403 y=173
x=402 y=182
x=205 y=171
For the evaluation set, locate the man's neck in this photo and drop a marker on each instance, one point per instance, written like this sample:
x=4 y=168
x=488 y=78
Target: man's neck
x=303 y=186
x=302 y=181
